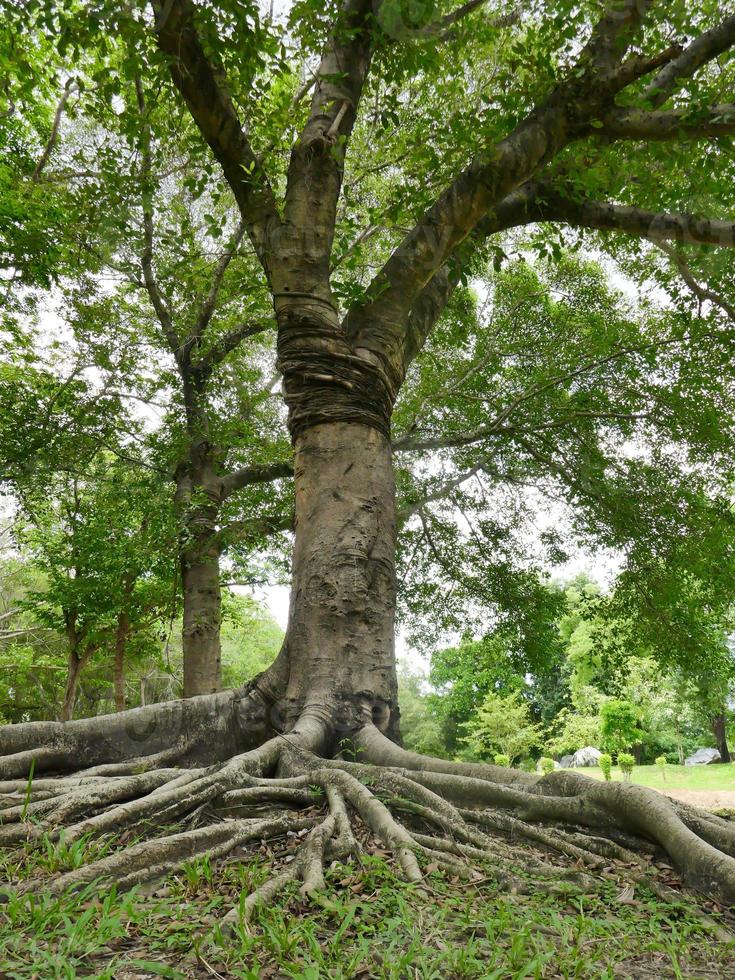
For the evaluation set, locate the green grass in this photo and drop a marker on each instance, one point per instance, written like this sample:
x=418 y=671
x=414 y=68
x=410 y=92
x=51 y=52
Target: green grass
x=703 y=778
x=370 y=925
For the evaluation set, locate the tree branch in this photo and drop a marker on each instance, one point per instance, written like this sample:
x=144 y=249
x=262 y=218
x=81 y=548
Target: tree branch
x=204 y=92
x=637 y=124
x=317 y=159
x=264 y=527
x=543 y=203
x=378 y=324
x=54 y=135
x=204 y=365
x=704 y=48
x=149 y=278
x=207 y=308
x=250 y=475
x=703 y=293
x=441 y=29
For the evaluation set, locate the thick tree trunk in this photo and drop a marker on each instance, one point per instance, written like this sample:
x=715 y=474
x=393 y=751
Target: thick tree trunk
x=202 y=616
x=121 y=636
x=719 y=730
x=340 y=640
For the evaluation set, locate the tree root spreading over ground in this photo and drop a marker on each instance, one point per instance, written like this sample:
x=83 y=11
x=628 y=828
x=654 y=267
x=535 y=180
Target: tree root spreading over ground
x=427 y=813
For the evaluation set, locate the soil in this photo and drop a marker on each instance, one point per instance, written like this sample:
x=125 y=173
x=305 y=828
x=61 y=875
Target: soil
x=708 y=799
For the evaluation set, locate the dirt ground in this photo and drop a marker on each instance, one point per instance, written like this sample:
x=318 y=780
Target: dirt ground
x=709 y=799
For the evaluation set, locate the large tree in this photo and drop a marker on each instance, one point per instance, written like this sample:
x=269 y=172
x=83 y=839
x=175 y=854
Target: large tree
x=549 y=110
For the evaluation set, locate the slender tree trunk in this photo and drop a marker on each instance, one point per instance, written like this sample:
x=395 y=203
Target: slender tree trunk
x=719 y=730
x=198 y=497
x=202 y=616
x=121 y=636
x=73 y=671
x=340 y=639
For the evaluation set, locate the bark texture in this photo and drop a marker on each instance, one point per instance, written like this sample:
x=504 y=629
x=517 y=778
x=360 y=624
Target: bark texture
x=340 y=638
x=201 y=622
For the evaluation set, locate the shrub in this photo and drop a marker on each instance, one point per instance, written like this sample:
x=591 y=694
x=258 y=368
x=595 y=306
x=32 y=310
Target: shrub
x=501 y=759
x=502 y=725
x=661 y=763
x=605 y=763
x=546 y=764
x=626 y=763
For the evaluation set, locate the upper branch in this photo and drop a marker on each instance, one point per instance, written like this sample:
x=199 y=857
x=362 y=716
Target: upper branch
x=146 y=260
x=703 y=49
x=207 y=308
x=380 y=323
x=703 y=292
x=250 y=475
x=204 y=365
x=442 y=28
x=206 y=96
x=317 y=159
x=545 y=204
x=637 y=124
x=69 y=87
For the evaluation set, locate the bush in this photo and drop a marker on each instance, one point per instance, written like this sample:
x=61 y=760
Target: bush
x=605 y=763
x=661 y=763
x=546 y=765
x=501 y=759
x=503 y=725
x=626 y=763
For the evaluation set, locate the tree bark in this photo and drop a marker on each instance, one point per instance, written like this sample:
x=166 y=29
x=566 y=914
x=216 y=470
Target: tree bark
x=340 y=639
x=73 y=670
x=121 y=636
x=202 y=616
x=198 y=497
x=719 y=730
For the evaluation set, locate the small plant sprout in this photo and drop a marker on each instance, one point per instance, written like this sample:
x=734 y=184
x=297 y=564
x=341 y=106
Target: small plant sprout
x=501 y=759
x=661 y=763
x=626 y=763
x=605 y=763
x=546 y=765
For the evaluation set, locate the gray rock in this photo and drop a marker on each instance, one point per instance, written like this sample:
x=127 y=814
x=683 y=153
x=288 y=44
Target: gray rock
x=588 y=756
x=702 y=757
x=565 y=762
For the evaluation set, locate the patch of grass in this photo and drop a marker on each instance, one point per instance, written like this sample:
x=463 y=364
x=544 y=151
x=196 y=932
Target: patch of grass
x=369 y=924
x=703 y=778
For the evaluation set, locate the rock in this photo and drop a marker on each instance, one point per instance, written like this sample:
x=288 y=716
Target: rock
x=588 y=756
x=702 y=757
x=565 y=762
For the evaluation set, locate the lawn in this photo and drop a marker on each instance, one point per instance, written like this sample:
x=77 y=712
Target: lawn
x=703 y=778
x=370 y=925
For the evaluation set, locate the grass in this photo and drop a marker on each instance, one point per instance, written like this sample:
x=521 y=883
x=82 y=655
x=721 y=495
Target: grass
x=370 y=925
x=703 y=778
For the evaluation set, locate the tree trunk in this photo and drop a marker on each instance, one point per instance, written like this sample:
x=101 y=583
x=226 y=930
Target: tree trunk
x=719 y=730
x=73 y=670
x=202 y=615
x=121 y=636
x=340 y=639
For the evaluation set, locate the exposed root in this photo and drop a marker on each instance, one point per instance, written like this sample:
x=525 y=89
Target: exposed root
x=523 y=835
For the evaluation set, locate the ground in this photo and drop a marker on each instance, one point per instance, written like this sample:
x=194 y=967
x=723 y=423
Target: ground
x=371 y=924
